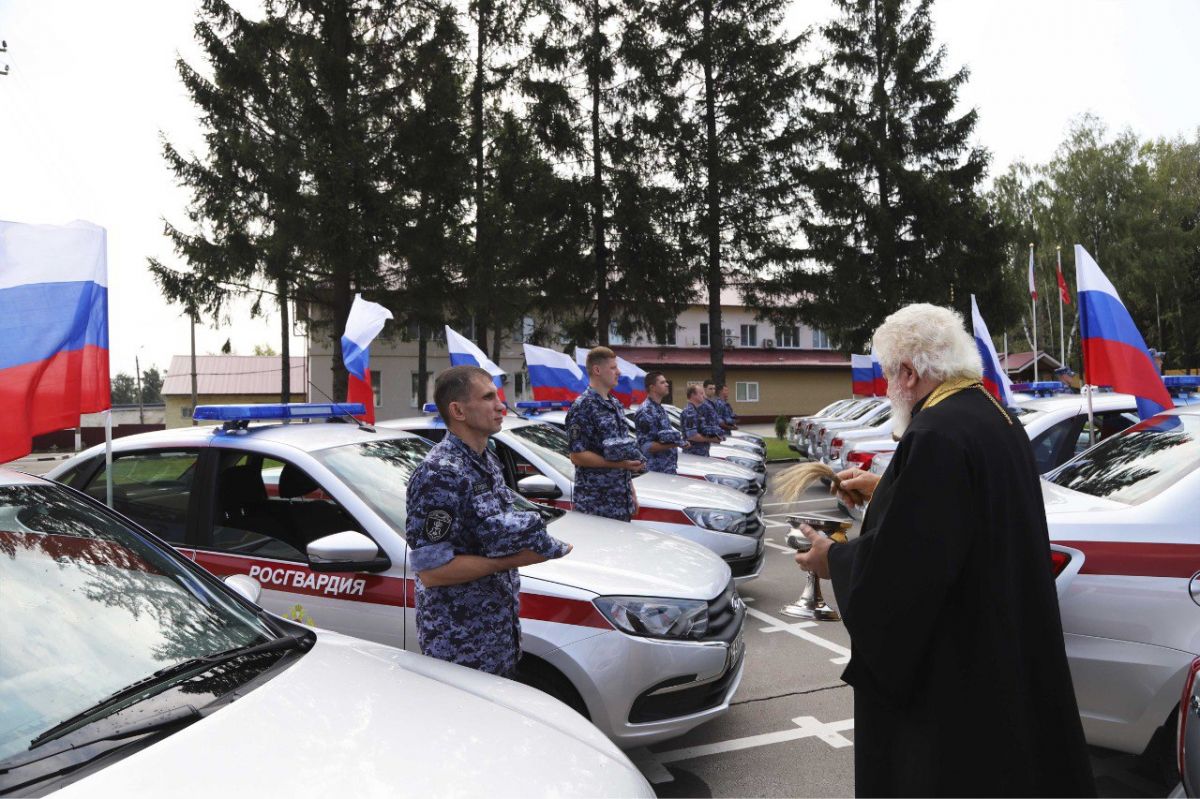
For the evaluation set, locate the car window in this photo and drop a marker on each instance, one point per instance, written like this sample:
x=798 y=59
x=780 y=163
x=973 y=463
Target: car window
x=152 y=488
x=271 y=509
x=861 y=412
x=1049 y=445
x=550 y=444
x=1106 y=426
x=378 y=472
x=1137 y=464
x=89 y=606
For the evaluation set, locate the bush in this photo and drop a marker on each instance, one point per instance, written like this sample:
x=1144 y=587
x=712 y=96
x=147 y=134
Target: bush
x=781 y=423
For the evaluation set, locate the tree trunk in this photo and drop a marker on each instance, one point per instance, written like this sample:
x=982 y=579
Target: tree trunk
x=599 y=251
x=342 y=249
x=889 y=268
x=480 y=259
x=422 y=365
x=285 y=346
x=716 y=337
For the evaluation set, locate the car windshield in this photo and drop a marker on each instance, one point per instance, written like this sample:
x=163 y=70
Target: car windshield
x=378 y=472
x=88 y=607
x=866 y=408
x=1136 y=464
x=550 y=444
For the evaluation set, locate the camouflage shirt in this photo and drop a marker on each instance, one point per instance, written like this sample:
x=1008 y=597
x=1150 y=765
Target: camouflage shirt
x=654 y=426
x=458 y=504
x=596 y=424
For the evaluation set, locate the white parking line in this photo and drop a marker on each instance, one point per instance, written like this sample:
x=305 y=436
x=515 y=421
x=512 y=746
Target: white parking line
x=799 y=629
x=773 y=545
x=652 y=764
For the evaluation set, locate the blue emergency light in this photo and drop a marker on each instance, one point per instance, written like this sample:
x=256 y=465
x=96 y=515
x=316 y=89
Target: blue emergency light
x=1041 y=388
x=277 y=412
x=1182 y=386
x=544 y=405
x=429 y=407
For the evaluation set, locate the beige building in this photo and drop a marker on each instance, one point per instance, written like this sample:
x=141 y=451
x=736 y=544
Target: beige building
x=228 y=380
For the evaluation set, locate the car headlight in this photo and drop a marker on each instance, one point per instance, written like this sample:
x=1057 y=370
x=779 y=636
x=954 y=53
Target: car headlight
x=723 y=521
x=748 y=463
x=728 y=480
x=655 y=618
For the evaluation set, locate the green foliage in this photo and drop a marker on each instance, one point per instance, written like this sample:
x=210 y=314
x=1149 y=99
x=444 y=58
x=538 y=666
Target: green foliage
x=781 y=423
x=124 y=389
x=152 y=382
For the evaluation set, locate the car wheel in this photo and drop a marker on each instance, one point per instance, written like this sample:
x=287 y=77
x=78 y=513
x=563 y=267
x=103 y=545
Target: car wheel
x=539 y=674
x=1160 y=758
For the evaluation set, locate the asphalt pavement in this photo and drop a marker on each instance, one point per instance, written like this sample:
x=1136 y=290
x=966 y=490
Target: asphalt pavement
x=790 y=729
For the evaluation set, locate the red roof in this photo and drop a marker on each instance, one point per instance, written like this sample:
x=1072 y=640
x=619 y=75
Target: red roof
x=754 y=357
x=1018 y=361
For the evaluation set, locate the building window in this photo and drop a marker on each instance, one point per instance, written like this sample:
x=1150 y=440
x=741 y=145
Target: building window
x=820 y=340
x=749 y=335
x=416 y=384
x=614 y=334
x=185 y=412
x=788 y=336
x=745 y=392
x=666 y=338
x=704 y=334
x=524 y=330
x=520 y=387
x=377 y=387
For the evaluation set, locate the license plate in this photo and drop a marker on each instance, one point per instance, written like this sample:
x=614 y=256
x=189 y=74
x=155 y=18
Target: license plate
x=735 y=650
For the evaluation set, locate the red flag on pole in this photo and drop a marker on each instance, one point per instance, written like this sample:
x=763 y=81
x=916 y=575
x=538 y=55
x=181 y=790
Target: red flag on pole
x=1062 y=287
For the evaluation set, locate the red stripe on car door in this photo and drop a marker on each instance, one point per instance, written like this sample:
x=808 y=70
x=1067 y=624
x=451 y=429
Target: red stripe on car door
x=1137 y=559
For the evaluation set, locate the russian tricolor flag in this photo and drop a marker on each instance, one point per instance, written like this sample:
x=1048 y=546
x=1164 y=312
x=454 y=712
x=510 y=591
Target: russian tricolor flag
x=631 y=385
x=879 y=382
x=53 y=329
x=862 y=380
x=553 y=375
x=994 y=379
x=1114 y=352
x=464 y=352
x=363 y=325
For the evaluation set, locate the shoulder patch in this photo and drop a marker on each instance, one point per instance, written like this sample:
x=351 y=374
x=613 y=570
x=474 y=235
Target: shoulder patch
x=437 y=524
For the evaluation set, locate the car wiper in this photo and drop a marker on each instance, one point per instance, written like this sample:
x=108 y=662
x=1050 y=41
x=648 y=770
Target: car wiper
x=185 y=714
x=96 y=711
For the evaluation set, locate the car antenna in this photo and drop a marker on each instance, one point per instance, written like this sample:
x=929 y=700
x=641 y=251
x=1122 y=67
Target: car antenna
x=346 y=414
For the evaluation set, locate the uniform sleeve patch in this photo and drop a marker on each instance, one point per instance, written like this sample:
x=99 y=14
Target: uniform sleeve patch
x=437 y=524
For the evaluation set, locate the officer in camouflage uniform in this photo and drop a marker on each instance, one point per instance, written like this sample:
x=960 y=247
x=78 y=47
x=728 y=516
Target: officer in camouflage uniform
x=724 y=409
x=711 y=409
x=466 y=538
x=699 y=431
x=657 y=438
x=605 y=454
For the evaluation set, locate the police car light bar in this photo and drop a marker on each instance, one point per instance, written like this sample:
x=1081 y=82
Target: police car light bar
x=277 y=412
x=429 y=407
x=1041 y=387
x=544 y=405
x=1181 y=382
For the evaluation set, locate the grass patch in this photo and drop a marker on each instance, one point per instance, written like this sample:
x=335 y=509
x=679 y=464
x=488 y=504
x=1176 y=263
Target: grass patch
x=777 y=450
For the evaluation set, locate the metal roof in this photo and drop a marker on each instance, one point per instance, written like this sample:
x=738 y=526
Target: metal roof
x=233 y=375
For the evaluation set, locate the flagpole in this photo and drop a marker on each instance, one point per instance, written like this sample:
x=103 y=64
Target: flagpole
x=108 y=456
x=1033 y=313
x=1062 y=331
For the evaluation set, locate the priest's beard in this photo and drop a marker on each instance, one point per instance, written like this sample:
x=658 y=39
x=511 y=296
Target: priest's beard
x=902 y=405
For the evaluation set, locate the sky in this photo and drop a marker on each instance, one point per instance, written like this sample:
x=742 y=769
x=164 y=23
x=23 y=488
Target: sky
x=92 y=87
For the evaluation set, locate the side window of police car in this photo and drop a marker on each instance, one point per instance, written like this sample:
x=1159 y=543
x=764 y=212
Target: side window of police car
x=1106 y=425
x=270 y=509
x=1050 y=448
x=152 y=488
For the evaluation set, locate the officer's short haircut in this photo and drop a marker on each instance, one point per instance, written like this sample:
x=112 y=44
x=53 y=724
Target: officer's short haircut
x=596 y=355
x=652 y=376
x=454 y=385
x=708 y=383
x=693 y=390
x=720 y=386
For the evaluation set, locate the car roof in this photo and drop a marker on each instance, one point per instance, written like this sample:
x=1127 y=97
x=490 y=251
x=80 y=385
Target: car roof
x=1105 y=401
x=429 y=422
x=12 y=477
x=309 y=437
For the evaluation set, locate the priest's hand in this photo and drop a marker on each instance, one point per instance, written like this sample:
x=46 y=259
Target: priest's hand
x=855 y=480
x=816 y=559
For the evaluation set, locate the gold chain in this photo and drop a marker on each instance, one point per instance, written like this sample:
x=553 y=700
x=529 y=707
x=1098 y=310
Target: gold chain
x=951 y=387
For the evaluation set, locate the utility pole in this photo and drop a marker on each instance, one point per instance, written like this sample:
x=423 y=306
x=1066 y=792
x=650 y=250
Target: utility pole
x=192 y=317
x=141 y=409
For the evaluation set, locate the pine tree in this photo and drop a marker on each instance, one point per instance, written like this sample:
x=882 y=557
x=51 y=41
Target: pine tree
x=726 y=84
x=894 y=182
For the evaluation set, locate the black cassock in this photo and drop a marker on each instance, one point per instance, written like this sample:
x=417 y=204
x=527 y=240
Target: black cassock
x=960 y=676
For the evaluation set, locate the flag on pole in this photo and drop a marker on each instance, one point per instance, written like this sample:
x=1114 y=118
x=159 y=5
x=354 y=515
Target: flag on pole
x=53 y=329
x=553 y=375
x=362 y=326
x=631 y=385
x=1062 y=286
x=464 y=352
x=862 y=379
x=994 y=378
x=1032 y=284
x=878 y=381
x=1114 y=352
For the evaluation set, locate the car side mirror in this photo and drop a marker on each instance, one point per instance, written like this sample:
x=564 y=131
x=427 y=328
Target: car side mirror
x=246 y=586
x=350 y=551
x=538 y=486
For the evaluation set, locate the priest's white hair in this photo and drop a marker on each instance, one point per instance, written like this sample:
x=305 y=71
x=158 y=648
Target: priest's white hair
x=933 y=339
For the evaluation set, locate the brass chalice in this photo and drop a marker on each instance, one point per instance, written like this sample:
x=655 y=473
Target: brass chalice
x=811 y=605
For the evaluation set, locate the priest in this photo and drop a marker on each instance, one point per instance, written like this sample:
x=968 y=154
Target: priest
x=960 y=676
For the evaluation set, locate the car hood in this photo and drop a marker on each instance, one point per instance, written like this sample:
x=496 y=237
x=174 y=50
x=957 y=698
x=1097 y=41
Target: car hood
x=699 y=464
x=672 y=491
x=725 y=451
x=370 y=720
x=611 y=557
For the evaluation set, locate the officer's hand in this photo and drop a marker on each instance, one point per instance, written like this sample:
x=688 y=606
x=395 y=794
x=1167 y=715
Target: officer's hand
x=815 y=559
x=857 y=481
x=634 y=466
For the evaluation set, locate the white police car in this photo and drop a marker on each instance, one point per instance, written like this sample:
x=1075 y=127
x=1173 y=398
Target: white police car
x=1124 y=522
x=126 y=670
x=661 y=654
x=796 y=423
x=537 y=460
x=698 y=467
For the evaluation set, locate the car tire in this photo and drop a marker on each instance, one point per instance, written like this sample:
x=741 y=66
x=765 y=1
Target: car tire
x=1159 y=757
x=537 y=673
